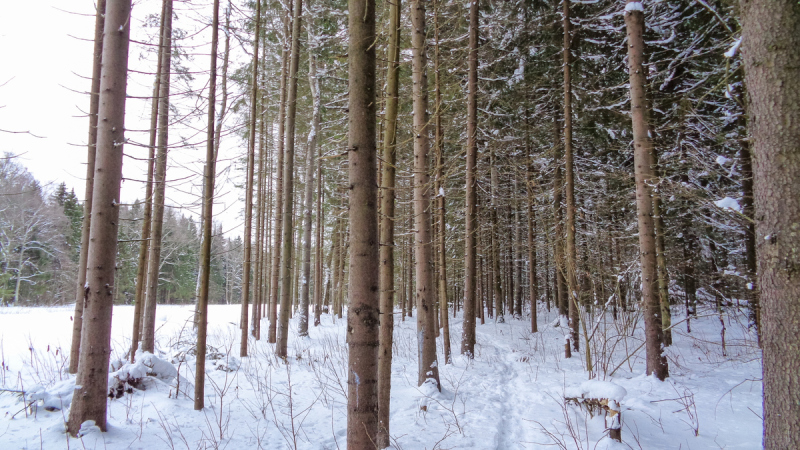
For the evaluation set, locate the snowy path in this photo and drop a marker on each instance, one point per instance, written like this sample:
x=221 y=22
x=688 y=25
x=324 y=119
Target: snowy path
x=510 y=397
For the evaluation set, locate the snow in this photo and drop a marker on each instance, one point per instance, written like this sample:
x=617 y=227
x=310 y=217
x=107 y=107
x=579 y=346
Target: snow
x=511 y=396
x=634 y=6
x=722 y=161
x=597 y=389
x=734 y=48
x=729 y=203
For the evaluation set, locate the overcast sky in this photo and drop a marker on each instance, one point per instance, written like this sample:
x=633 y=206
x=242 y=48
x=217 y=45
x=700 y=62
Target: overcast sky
x=46 y=54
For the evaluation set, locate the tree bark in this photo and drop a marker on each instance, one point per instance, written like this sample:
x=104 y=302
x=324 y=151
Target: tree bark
x=147 y=220
x=288 y=187
x=470 y=230
x=644 y=173
x=364 y=284
x=426 y=327
x=532 y=280
x=154 y=257
x=90 y=399
x=771 y=33
x=277 y=247
x=94 y=103
x=208 y=215
x=248 y=192
x=570 y=266
x=440 y=196
x=309 y=194
x=386 y=275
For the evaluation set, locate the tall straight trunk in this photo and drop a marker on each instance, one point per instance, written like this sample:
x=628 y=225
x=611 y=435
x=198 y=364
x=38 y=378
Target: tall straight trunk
x=208 y=215
x=771 y=30
x=147 y=221
x=94 y=103
x=260 y=173
x=439 y=189
x=364 y=285
x=386 y=275
x=90 y=399
x=248 y=192
x=470 y=230
x=426 y=327
x=334 y=255
x=746 y=169
x=570 y=266
x=311 y=151
x=263 y=203
x=288 y=187
x=497 y=280
x=532 y=280
x=516 y=254
x=661 y=261
x=319 y=281
x=558 y=239
x=277 y=245
x=644 y=173
x=410 y=248
x=154 y=257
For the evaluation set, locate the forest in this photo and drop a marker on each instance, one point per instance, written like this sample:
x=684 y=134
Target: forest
x=589 y=203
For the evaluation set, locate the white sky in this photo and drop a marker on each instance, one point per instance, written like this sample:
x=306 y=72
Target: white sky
x=45 y=60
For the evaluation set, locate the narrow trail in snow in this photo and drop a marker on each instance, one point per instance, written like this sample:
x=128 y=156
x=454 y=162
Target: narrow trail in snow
x=509 y=420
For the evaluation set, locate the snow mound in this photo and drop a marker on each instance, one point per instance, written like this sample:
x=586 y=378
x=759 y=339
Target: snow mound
x=54 y=398
x=131 y=375
x=597 y=389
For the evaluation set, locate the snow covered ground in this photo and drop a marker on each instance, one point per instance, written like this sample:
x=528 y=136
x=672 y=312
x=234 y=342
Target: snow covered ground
x=510 y=397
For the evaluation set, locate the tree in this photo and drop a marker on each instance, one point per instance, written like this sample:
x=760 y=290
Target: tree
x=160 y=173
x=470 y=229
x=364 y=285
x=771 y=35
x=288 y=185
x=94 y=95
x=428 y=369
x=387 y=242
x=147 y=220
x=248 y=192
x=643 y=162
x=91 y=390
x=208 y=203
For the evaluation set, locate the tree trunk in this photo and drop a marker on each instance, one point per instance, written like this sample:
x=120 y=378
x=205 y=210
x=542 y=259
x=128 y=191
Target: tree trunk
x=570 y=266
x=90 y=400
x=497 y=277
x=288 y=187
x=277 y=247
x=208 y=215
x=364 y=285
x=147 y=220
x=426 y=330
x=439 y=190
x=532 y=280
x=311 y=150
x=558 y=239
x=470 y=257
x=661 y=261
x=94 y=102
x=248 y=192
x=154 y=257
x=386 y=275
x=771 y=30
x=644 y=173
x=319 y=281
